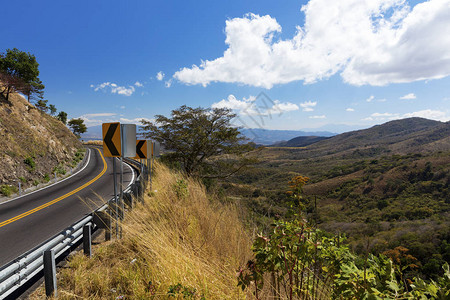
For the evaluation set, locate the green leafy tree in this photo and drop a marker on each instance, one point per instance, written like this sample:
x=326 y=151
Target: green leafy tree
x=201 y=140
x=62 y=116
x=52 y=109
x=42 y=105
x=19 y=72
x=78 y=127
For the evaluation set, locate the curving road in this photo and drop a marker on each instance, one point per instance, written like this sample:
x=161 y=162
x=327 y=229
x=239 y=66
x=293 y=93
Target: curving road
x=27 y=221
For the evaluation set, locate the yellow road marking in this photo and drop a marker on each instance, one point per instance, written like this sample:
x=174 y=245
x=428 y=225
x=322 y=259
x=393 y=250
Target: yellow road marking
x=58 y=199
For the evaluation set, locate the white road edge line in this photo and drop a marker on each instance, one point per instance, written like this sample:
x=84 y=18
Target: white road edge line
x=132 y=178
x=88 y=160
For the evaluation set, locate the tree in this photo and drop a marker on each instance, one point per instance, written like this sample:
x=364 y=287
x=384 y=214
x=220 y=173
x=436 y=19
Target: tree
x=52 y=109
x=78 y=127
x=62 y=116
x=42 y=105
x=201 y=140
x=19 y=72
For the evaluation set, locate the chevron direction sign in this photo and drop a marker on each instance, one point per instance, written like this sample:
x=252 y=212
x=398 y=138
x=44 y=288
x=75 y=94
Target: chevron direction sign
x=143 y=149
x=119 y=140
x=112 y=142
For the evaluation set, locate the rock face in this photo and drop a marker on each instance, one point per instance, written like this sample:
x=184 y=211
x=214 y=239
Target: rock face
x=32 y=143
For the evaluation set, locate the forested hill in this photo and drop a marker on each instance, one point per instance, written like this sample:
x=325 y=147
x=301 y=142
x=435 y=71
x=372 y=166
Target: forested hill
x=33 y=144
x=404 y=136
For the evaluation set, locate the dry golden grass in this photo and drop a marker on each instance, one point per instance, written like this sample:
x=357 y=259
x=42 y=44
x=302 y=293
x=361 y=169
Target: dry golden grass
x=93 y=142
x=179 y=235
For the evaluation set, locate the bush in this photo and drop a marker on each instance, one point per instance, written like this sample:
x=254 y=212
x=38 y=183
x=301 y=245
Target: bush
x=30 y=162
x=7 y=190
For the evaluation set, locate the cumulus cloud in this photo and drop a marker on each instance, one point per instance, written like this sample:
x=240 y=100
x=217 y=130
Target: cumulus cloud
x=409 y=96
x=136 y=121
x=97 y=118
x=255 y=106
x=160 y=75
x=318 y=117
x=114 y=88
x=427 y=114
x=308 y=105
x=349 y=109
x=168 y=83
x=138 y=84
x=366 y=42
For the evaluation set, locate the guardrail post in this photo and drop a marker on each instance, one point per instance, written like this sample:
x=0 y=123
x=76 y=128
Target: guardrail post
x=108 y=228
x=87 y=240
x=50 y=273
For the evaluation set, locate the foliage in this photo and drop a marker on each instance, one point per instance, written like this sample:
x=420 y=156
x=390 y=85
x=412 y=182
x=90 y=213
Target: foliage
x=59 y=169
x=181 y=189
x=42 y=105
x=30 y=162
x=52 y=109
x=184 y=291
x=19 y=72
x=62 y=116
x=7 y=190
x=196 y=135
x=78 y=127
x=302 y=262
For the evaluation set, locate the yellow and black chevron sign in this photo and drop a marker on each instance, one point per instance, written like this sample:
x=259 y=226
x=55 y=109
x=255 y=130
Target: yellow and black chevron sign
x=141 y=149
x=112 y=146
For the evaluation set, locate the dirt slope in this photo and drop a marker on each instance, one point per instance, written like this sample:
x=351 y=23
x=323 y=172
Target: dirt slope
x=32 y=143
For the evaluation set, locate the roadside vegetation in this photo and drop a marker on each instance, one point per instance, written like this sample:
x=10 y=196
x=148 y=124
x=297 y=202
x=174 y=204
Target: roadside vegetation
x=179 y=242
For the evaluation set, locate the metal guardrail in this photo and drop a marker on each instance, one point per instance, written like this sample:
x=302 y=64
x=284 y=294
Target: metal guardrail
x=16 y=273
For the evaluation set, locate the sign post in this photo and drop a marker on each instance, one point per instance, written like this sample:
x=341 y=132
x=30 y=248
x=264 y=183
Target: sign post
x=112 y=147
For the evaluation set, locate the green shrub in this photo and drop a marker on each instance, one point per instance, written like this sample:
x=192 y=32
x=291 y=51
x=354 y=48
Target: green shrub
x=30 y=162
x=22 y=179
x=46 y=178
x=7 y=190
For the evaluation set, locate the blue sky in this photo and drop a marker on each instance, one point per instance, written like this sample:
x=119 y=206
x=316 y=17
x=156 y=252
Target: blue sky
x=318 y=64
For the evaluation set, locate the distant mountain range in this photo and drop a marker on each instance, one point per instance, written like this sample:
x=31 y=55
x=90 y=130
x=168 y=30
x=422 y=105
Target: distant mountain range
x=256 y=135
x=412 y=135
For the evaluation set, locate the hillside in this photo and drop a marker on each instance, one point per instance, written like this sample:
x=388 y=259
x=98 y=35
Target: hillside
x=301 y=141
x=394 y=137
x=391 y=182
x=32 y=144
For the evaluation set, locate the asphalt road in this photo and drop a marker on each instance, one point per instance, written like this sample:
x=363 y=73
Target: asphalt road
x=27 y=221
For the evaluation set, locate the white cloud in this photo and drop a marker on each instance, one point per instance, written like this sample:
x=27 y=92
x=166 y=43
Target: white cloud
x=409 y=96
x=366 y=42
x=251 y=107
x=99 y=115
x=115 y=89
x=98 y=118
x=349 y=109
x=122 y=107
x=429 y=114
x=168 y=83
x=160 y=75
x=138 y=84
x=318 y=117
x=308 y=105
x=370 y=99
x=136 y=121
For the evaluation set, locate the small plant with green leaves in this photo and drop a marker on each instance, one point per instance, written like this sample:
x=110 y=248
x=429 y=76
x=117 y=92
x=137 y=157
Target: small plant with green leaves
x=29 y=161
x=186 y=292
x=46 y=178
x=7 y=190
x=181 y=189
x=59 y=169
x=22 y=179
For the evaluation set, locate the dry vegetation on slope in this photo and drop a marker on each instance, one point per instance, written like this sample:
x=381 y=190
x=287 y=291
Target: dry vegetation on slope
x=179 y=235
x=32 y=143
